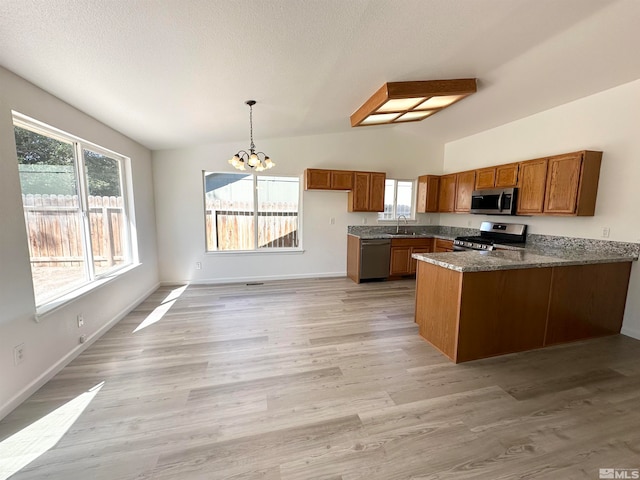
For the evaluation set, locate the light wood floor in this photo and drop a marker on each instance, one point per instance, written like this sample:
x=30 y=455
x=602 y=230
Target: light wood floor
x=326 y=379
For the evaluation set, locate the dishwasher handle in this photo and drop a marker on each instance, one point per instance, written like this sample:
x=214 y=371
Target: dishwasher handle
x=382 y=241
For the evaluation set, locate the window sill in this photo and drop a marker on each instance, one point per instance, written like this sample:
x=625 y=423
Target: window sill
x=270 y=251
x=51 y=306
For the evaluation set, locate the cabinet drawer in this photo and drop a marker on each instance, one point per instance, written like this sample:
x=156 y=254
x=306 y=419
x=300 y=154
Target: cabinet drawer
x=412 y=242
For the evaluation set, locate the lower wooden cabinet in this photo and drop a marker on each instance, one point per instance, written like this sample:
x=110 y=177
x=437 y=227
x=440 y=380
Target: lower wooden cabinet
x=402 y=250
x=441 y=245
x=475 y=315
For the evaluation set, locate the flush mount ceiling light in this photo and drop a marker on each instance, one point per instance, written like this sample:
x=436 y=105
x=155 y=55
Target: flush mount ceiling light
x=398 y=102
x=260 y=161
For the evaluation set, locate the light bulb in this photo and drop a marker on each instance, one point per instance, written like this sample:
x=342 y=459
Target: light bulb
x=268 y=163
x=241 y=166
x=259 y=168
x=253 y=160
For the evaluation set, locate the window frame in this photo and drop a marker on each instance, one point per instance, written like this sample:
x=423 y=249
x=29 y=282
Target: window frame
x=92 y=280
x=414 y=193
x=256 y=214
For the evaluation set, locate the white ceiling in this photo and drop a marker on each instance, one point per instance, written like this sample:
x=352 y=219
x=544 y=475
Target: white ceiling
x=171 y=73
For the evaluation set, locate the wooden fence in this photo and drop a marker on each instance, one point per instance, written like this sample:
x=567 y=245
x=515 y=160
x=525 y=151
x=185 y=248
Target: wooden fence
x=54 y=227
x=277 y=225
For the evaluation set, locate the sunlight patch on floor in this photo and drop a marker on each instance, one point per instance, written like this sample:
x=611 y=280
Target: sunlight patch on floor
x=161 y=310
x=25 y=446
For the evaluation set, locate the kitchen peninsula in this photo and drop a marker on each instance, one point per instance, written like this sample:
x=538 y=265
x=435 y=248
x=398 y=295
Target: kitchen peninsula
x=472 y=305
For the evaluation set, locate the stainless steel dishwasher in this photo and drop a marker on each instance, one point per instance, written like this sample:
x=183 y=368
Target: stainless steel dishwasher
x=374 y=258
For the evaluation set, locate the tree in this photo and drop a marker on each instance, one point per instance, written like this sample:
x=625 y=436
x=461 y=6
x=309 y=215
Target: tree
x=103 y=173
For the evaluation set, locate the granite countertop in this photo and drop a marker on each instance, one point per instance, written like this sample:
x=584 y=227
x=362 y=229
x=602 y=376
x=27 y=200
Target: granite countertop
x=530 y=257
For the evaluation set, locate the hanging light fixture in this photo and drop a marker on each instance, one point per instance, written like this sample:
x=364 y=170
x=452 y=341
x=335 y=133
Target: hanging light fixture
x=260 y=161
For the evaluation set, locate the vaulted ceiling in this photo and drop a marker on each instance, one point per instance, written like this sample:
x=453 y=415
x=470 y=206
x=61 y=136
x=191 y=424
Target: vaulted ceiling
x=172 y=73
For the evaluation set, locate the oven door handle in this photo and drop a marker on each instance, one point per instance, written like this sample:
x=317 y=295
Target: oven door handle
x=500 y=201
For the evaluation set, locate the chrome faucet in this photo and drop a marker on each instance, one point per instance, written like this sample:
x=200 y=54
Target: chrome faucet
x=398 y=224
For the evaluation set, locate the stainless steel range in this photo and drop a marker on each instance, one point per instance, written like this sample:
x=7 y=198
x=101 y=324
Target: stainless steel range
x=491 y=233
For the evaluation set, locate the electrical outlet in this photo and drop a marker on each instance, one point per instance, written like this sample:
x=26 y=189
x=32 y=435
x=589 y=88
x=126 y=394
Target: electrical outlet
x=332 y=221
x=198 y=265
x=82 y=339
x=18 y=354
x=605 y=232
x=364 y=220
x=80 y=321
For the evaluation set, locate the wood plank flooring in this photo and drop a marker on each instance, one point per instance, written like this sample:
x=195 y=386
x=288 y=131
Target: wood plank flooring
x=327 y=379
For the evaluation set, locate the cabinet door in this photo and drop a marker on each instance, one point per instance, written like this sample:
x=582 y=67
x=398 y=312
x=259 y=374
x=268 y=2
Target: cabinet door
x=400 y=260
x=563 y=178
x=376 y=193
x=359 y=196
x=507 y=175
x=316 y=179
x=428 y=193
x=447 y=194
x=532 y=184
x=485 y=178
x=465 y=183
x=413 y=263
x=442 y=245
x=341 y=180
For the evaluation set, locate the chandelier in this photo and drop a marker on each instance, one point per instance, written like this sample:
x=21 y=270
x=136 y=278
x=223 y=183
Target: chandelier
x=260 y=161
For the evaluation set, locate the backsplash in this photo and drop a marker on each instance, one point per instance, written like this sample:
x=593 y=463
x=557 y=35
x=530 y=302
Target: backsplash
x=543 y=242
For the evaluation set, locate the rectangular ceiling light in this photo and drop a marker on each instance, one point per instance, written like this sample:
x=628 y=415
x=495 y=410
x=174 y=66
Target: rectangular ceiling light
x=397 y=102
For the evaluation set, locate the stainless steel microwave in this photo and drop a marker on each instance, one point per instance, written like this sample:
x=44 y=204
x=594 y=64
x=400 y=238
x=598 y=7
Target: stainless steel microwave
x=498 y=201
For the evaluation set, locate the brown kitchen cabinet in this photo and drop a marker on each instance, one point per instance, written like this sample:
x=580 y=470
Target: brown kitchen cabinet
x=507 y=175
x=368 y=192
x=402 y=250
x=447 y=193
x=465 y=184
x=442 y=245
x=469 y=315
x=319 y=179
x=572 y=183
x=532 y=185
x=428 y=192
x=485 y=178
x=560 y=185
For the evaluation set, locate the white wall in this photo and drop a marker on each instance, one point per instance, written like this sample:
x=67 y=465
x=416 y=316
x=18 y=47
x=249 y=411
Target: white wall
x=54 y=341
x=180 y=211
x=607 y=121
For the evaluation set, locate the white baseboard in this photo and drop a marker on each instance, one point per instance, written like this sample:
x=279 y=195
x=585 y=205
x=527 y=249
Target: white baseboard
x=34 y=386
x=631 y=332
x=264 y=278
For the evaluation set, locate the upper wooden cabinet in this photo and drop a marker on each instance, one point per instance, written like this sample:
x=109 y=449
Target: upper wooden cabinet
x=428 y=186
x=532 y=185
x=507 y=175
x=572 y=183
x=502 y=176
x=485 y=178
x=560 y=185
x=465 y=184
x=318 y=179
x=368 y=192
x=447 y=193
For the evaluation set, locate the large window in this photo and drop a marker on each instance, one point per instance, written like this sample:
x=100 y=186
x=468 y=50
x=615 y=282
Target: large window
x=399 y=199
x=250 y=212
x=74 y=209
